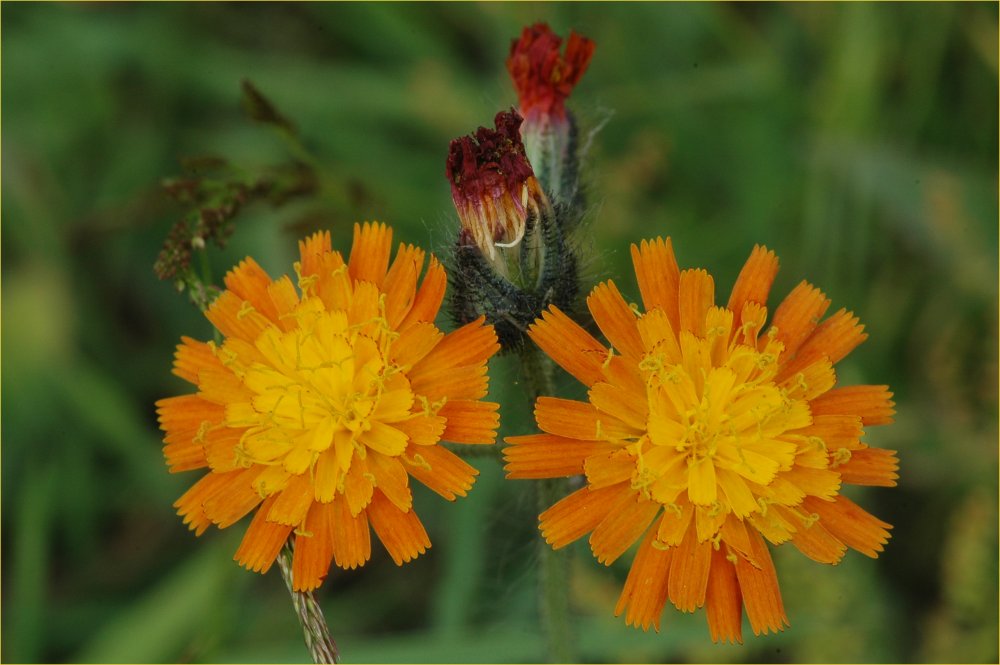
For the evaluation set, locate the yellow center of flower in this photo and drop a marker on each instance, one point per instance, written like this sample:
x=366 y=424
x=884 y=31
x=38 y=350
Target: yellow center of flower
x=324 y=387
x=718 y=422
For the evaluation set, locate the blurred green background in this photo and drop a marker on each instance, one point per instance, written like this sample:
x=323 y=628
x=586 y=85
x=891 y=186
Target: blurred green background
x=857 y=140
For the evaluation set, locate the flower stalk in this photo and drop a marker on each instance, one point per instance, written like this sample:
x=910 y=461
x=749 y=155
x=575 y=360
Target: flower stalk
x=553 y=571
x=321 y=646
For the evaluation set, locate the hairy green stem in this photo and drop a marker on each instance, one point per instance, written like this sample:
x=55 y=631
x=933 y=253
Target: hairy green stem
x=537 y=369
x=321 y=646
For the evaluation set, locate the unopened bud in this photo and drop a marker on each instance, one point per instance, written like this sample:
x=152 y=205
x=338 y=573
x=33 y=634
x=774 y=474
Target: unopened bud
x=544 y=77
x=494 y=188
x=511 y=259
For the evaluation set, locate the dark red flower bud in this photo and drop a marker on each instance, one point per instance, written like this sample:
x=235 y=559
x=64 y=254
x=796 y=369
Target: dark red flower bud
x=492 y=184
x=543 y=76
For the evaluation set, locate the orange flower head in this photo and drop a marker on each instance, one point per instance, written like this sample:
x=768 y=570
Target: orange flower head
x=543 y=76
x=703 y=437
x=322 y=401
x=493 y=186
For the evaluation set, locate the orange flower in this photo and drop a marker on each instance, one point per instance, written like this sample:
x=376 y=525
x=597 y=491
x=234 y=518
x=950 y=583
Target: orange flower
x=319 y=407
x=717 y=436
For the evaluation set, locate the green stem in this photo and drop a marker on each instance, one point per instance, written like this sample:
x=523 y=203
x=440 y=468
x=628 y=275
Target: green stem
x=537 y=369
x=317 y=634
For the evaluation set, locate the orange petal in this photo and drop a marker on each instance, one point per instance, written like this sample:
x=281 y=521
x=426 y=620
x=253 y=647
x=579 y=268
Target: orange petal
x=429 y=296
x=249 y=282
x=327 y=475
x=333 y=284
x=738 y=495
x=579 y=420
x=645 y=590
x=231 y=502
x=472 y=344
x=285 y=299
x=737 y=537
x=401 y=532
x=814 y=540
x=702 y=486
x=414 y=343
x=798 y=315
x=422 y=429
x=658 y=276
x=358 y=486
x=835 y=431
x=658 y=336
x=470 y=421
x=391 y=479
x=689 y=570
x=400 y=285
x=386 y=439
x=872 y=403
x=723 y=601
x=674 y=524
x=220 y=386
x=235 y=317
x=707 y=521
x=623 y=374
x=759 y=586
x=185 y=454
x=569 y=345
x=262 y=541
x=548 y=456
x=220 y=448
x=696 y=294
x=615 y=319
x=364 y=310
x=870 y=466
x=579 y=513
x=293 y=502
x=609 y=468
x=834 y=339
x=190 y=505
x=771 y=525
x=622 y=527
x=186 y=414
x=370 y=252
x=191 y=356
x=754 y=282
x=349 y=535
x=440 y=470
x=812 y=381
x=310 y=251
x=849 y=523
x=470 y=382
x=813 y=482
x=630 y=407
x=313 y=549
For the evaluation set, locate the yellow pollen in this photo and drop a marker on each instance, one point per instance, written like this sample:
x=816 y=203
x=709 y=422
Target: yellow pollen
x=418 y=461
x=840 y=456
x=202 y=431
x=607 y=360
x=246 y=309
